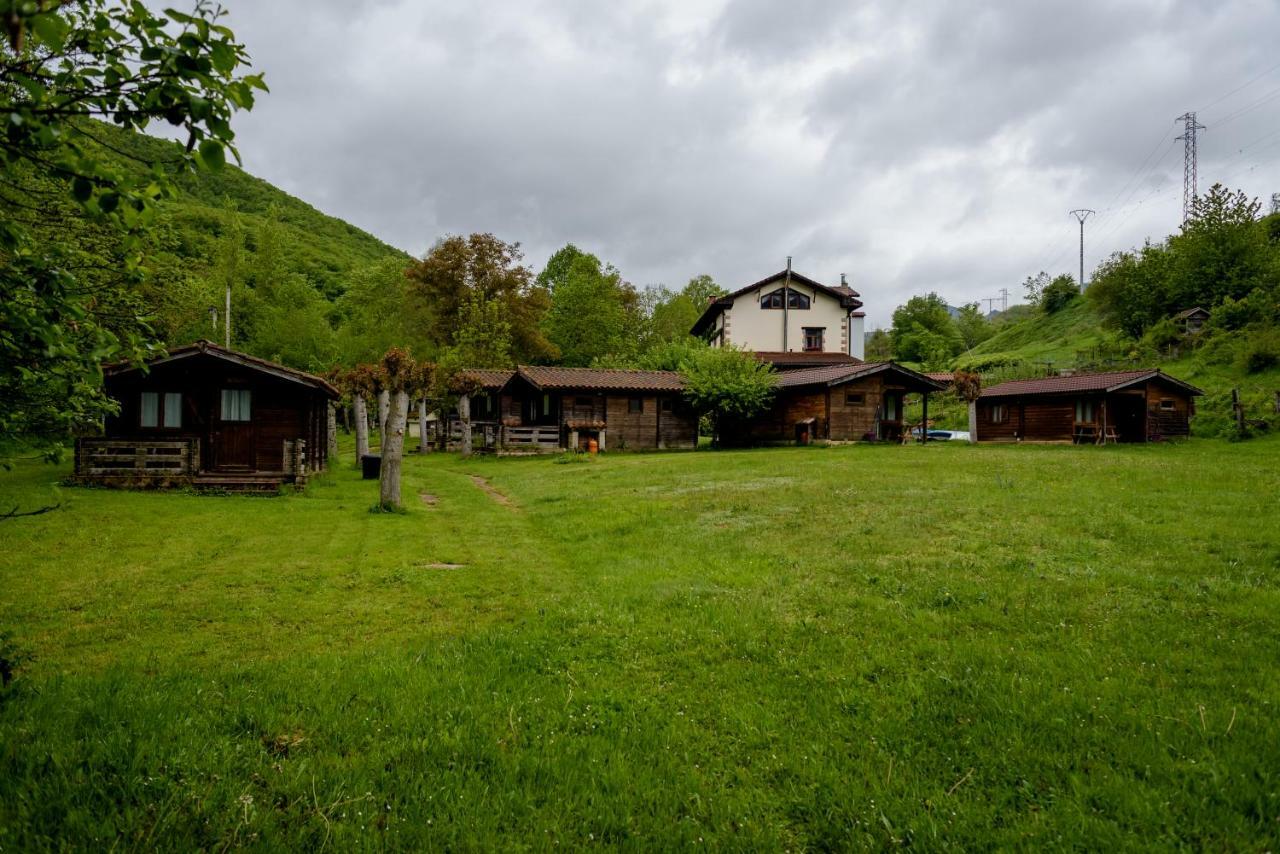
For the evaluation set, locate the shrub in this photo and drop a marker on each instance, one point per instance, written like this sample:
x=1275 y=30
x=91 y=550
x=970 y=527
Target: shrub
x=1261 y=353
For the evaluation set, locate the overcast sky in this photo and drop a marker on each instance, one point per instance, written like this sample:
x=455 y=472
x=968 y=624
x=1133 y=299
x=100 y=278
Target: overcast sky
x=915 y=146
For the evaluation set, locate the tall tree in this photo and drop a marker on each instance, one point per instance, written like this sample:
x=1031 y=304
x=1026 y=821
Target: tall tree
x=728 y=386
x=399 y=375
x=592 y=310
x=973 y=326
x=65 y=65
x=924 y=332
x=460 y=268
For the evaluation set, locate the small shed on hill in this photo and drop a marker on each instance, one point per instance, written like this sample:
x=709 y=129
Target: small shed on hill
x=1120 y=406
x=1192 y=320
x=838 y=402
x=208 y=416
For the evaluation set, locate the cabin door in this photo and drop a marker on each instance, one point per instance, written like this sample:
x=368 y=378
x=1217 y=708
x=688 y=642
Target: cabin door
x=232 y=438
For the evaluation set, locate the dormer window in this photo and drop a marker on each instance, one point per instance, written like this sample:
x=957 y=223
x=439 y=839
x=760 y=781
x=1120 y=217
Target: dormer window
x=795 y=299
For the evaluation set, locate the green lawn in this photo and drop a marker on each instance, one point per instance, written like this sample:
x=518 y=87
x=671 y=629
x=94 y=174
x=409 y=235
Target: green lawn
x=860 y=647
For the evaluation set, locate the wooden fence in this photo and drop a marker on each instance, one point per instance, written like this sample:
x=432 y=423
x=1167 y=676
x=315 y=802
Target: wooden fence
x=98 y=459
x=538 y=438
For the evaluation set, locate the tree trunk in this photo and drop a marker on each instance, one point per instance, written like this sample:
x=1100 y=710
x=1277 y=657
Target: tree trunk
x=464 y=415
x=384 y=409
x=973 y=421
x=332 y=427
x=393 y=450
x=362 y=426
x=346 y=420
x=424 y=445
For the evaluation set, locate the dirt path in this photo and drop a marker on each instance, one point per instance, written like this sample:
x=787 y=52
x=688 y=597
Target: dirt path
x=491 y=492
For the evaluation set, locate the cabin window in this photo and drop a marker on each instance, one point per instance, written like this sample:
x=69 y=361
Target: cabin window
x=235 y=404
x=890 y=408
x=855 y=398
x=667 y=404
x=813 y=336
x=1167 y=404
x=583 y=401
x=635 y=405
x=999 y=413
x=546 y=404
x=795 y=299
x=161 y=410
x=1084 y=411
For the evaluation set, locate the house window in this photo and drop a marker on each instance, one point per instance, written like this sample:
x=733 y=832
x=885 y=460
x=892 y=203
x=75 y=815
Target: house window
x=235 y=404
x=813 y=336
x=999 y=413
x=1167 y=404
x=795 y=299
x=668 y=404
x=635 y=405
x=583 y=401
x=161 y=410
x=1084 y=411
x=890 y=408
x=546 y=404
x=855 y=398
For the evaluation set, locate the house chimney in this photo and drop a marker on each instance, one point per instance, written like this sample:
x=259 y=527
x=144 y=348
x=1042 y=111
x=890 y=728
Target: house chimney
x=843 y=283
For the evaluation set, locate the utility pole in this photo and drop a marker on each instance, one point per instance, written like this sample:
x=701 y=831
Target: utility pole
x=1190 y=126
x=991 y=303
x=1004 y=299
x=786 y=300
x=1082 y=214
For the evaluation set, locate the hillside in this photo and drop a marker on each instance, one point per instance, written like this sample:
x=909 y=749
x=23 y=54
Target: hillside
x=320 y=247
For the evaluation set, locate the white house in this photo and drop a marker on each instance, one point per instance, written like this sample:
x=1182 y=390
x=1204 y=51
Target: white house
x=789 y=320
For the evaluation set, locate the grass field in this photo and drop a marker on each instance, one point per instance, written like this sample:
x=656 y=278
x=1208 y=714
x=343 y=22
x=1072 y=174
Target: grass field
x=948 y=647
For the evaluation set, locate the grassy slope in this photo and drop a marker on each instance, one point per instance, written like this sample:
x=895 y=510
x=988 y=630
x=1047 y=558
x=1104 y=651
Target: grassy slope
x=1041 y=338
x=321 y=247
x=827 y=648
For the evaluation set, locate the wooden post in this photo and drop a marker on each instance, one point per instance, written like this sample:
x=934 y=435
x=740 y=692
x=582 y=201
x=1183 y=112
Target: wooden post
x=464 y=415
x=362 y=425
x=423 y=444
x=924 y=419
x=600 y=444
x=973 y=422
x=332 y=427
x=1238 y=408
x=573 y=440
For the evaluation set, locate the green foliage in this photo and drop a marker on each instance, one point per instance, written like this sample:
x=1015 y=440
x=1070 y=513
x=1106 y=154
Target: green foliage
x=65 y=65
x=879 y=346
x=1058 y=294
x=592 y=309
x=459 y=269
x=727 y=385
x=1261 y=353
x=973 y=326
x=924 y=332
x=674 y=651
x=1224 y=252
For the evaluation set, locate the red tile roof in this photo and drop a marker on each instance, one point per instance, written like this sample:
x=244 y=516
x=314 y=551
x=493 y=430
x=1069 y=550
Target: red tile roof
x=600 y=379
x=1099 y=382
x=941 y=376
x=487 y=378
x=803 y=359
x=837 y=374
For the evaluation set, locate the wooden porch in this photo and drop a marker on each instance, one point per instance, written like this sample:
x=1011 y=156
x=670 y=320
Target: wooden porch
x=160 y=464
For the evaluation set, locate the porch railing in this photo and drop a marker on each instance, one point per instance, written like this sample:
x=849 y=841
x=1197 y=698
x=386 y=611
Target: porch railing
x=539 y=437
x=125 y=458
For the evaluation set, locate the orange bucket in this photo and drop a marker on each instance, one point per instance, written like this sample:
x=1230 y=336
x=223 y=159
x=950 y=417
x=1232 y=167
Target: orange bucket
x=592 y=446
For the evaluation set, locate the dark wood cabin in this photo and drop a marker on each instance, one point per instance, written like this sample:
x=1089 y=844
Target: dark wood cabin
x=1119 y=406
x=549 y=408
x=207 y=416
x=840 y=403
x=1192 y=321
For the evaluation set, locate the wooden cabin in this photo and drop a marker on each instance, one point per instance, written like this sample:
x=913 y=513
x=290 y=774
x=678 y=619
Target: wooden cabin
x=839 y=403
x=207 y=416
x=551 y=408
x=1119 y=406
x=1192 y=321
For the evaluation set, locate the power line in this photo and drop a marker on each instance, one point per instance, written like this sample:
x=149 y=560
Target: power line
x=1239 y=88
x=1265 y=99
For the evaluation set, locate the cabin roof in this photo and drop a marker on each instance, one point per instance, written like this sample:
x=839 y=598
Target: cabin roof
x=1100 y=382
x=235 y=357
x=786 y=361
x=944 y=377
x=1182 y=315
x=546 y=378
x=833 y=375
x=847 y=296
x=489 y=379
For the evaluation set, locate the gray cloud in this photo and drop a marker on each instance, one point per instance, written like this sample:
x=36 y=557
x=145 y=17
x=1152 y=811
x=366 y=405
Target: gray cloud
x=913 y=146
